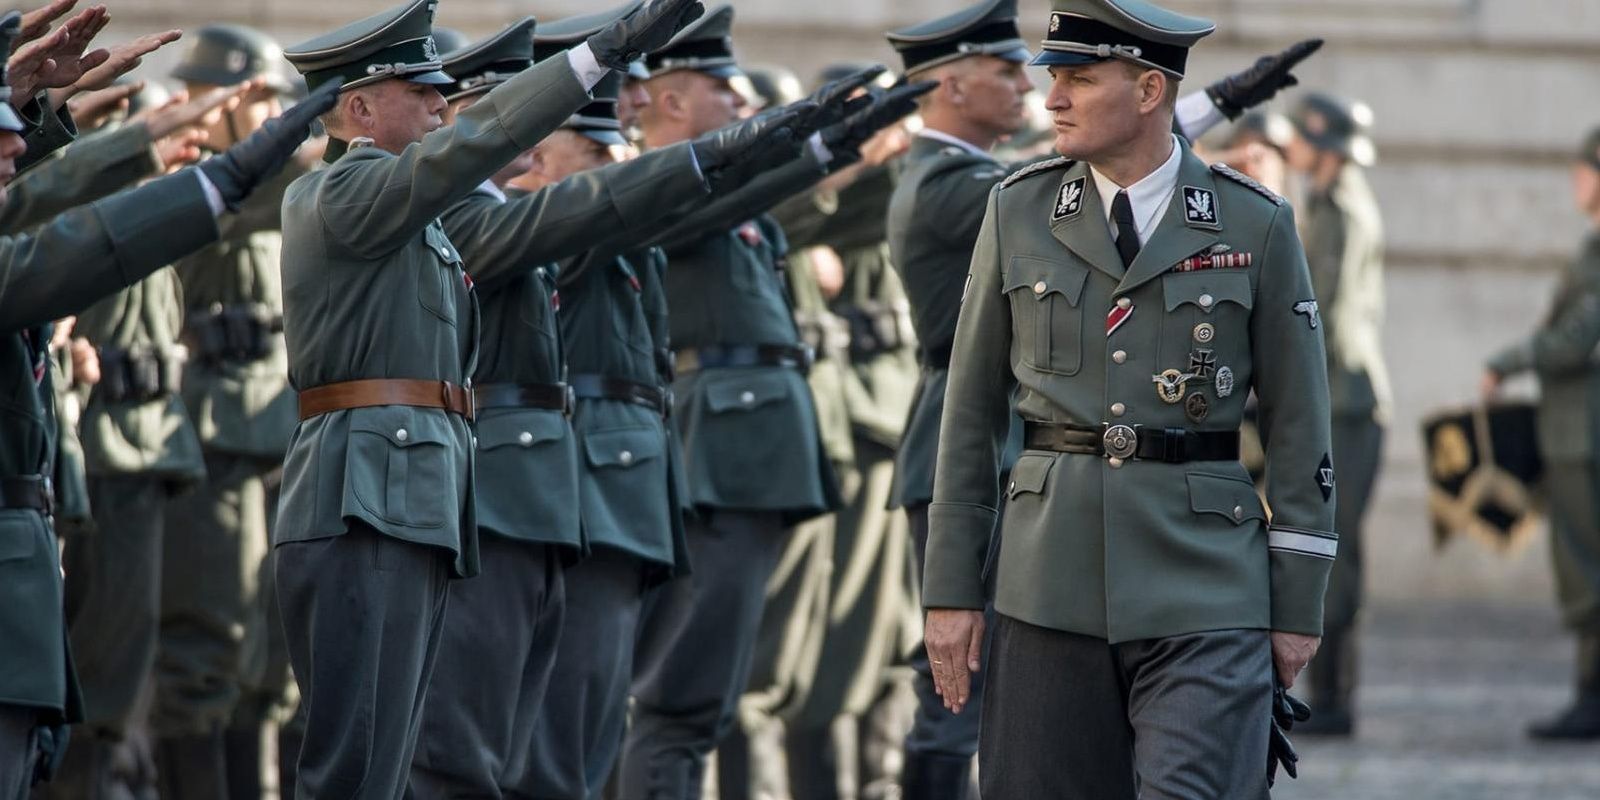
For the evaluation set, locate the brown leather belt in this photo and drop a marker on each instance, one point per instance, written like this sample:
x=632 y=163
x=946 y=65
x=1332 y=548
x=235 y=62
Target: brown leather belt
x=344 y=395
x=547 y=396
x=27 y=491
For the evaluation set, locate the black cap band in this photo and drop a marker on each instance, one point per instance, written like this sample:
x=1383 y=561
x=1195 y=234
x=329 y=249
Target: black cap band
x=692 y=55
x=410 y=57
x=973 y=42
x=1079 y=35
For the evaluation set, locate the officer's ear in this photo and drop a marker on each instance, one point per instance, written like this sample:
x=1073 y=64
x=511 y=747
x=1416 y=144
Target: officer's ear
x=357 y=109
x=1153 y=87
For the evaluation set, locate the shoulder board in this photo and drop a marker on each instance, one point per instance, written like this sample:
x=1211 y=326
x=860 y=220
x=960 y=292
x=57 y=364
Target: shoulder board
x=1246 y=181
x=1036 y=169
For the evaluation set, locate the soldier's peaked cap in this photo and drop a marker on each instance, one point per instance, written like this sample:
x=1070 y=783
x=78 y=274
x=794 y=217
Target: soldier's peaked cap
x=485 y=64
x=555 y=37
x=397 y=43
x=1090 y=31
x=598 y=120
x=705 y=46
x=10 y=26
x=988 y=28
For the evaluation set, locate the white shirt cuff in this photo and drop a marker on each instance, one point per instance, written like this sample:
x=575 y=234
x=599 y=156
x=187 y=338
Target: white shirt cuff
x=1197 y=115
x=585 y=66
x=213 y=197
x=819 y=149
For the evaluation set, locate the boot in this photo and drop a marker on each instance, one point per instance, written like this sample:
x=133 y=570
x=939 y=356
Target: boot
x=1333 y=681
x=241 y=748
x=930 y=777
x=1581 y=721
x=192 y=767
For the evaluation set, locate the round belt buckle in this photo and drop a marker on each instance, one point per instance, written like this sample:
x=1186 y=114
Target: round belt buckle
x=1120 y=441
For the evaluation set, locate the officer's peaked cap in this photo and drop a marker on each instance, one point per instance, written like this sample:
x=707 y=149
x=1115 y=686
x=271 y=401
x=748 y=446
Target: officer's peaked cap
x=1090 y=31
x=483 y=65
x=705 y=46
x=397 y=43
x=988 y=28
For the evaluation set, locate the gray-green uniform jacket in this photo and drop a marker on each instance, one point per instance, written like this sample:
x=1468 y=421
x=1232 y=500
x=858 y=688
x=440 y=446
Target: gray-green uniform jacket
x=504 y=242
x=240 y=401
x=54 y=272
x=1142 y=549
x=373 y=288
x=934 y=218
x=1562 y=353
x=91 y=168
x=1343 y=234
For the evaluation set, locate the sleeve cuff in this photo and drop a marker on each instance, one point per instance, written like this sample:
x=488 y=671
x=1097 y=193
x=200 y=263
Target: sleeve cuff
x=1301 y=561
x=213 y=197
x=1196 y=115
x=585 y=66
x=958 y=541
x=1512 y=360
x=819 y=150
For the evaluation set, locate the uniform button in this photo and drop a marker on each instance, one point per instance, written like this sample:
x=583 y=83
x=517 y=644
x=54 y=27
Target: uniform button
x=1116 y=463
x=1118 y=409
x=1238 y=513
x=1011 y=487
x=747 y=397
x=1207 y=300
x=444 y=251
x=1120 y=356
x=402 y=435
x=1039 y=287
x=540 y=272
x=1124 y=303
x=625 y=457
x=525 y=438
x=474 y=442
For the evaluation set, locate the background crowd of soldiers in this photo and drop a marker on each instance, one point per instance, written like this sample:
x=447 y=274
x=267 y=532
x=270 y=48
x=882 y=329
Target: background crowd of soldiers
x=708 y=391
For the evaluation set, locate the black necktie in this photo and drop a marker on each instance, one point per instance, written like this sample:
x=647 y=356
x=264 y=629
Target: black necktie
x=1127 y=232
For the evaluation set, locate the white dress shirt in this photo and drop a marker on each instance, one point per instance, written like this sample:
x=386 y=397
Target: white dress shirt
x=955 y=141
x=1149 y=197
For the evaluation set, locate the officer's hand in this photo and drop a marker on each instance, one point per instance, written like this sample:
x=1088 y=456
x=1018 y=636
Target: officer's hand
x=1286 y=711
x=1291 y=652
x=846 y=138
x=85 y=362
x=649 y=28
x=1489 y=384
x=837 y=100
x=66 y=60
x=122 y=59
x=182 y=111
x=90 y=110
x=1241 y=91
x=37 y=22
x=954 y=638
x=749 y=146
x=245 y=165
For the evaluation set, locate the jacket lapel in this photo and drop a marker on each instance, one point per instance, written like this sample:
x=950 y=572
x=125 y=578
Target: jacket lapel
x=1083 y=227
x=1185 y=229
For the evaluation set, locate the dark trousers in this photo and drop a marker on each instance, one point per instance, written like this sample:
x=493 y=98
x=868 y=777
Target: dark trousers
x=488 y=687
x=1072 y=717
x=695 y=648
x=935 y=732
x=363 y=614
x=1357 y=456
x=579 y=735
x=17 y=731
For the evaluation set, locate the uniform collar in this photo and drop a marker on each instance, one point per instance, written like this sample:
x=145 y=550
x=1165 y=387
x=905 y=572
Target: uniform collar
x=488 y=188
x=1149 y=196
x=955 y=141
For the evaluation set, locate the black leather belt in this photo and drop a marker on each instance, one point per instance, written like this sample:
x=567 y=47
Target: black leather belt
x=718 y=356
x=547 y=396
x=934 y=357
x=27 y=491
x=1133 y=442
x=605 y=387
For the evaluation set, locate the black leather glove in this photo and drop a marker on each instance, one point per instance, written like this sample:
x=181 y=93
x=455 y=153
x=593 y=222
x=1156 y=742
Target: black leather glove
x=50 y=746
x=1286 y=711
x=845 y=139
x=834 y=103
x=648 y=28
x=1242 y=91
x=244 y=166
x=752 y=145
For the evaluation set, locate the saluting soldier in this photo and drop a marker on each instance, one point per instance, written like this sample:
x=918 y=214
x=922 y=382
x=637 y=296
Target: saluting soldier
x=382 y=328
x=1135 y=297
x=1561 y=354
x=1343 y=233
x=64 y=266
x=213 y=688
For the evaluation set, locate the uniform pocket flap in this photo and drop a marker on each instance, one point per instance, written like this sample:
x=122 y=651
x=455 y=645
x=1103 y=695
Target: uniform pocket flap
x=1029 y=475
x=1233 y=499
x=1207 y=289
x=520 y=428
x=19 y=537
x=440 y=244
x=402 y=426
x=1042 y=277
x=622 y=447
x=746 y=391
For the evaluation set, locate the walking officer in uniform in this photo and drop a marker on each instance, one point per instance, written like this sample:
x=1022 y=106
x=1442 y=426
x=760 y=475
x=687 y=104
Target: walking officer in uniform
x=1561 y=353
x=1343 y=234
x=214 y=686
x=977 y=55
x=382 y=329
x=1134 y=297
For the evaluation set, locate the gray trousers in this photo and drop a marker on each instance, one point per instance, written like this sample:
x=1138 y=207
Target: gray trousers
x=17 y=728
x=1573 y=488
x=696 y=643
x=364 y=615
x=1072 y=717
x=499 y=646
x=579 y=735
x=1357 y=453
x=936 y=732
